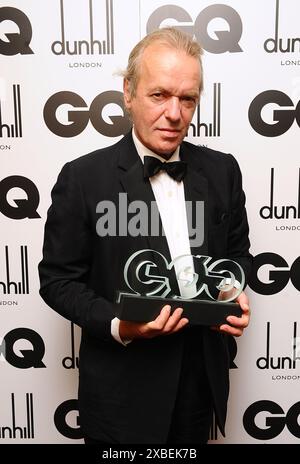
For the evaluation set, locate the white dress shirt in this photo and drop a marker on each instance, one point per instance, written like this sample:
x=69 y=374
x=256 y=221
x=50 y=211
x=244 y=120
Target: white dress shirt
x=170 y=199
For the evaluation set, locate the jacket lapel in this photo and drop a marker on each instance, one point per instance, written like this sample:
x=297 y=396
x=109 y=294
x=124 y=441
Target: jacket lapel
x=196 y=192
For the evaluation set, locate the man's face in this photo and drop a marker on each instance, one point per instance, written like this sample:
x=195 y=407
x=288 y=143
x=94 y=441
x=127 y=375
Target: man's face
x=166 y=97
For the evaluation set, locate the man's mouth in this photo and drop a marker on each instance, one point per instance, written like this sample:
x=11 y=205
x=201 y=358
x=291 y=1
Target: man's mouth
x=170 y=132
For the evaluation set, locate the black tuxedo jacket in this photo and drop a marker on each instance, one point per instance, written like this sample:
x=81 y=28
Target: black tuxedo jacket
x=126 y=394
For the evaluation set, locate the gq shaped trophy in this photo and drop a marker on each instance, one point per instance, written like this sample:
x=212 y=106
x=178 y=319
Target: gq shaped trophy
x=211 y=287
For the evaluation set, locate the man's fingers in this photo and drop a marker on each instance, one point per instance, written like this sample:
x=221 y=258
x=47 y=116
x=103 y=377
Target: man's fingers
x=241 y=322
x=235 y=331
x=183 y=322
x=160 y=321
x=243 y=301
x=173 y=320
x=236 y=325
x=166 y=323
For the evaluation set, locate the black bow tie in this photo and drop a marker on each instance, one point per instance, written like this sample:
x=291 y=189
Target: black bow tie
x=175 y=169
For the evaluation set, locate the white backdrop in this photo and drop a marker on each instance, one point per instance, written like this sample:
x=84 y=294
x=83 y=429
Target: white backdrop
x=251 y=60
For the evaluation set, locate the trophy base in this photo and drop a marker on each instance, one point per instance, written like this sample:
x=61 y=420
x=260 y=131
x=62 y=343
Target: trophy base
x=199 y=312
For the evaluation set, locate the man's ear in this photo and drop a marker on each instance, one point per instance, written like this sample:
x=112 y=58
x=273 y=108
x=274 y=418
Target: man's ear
x=127 y=97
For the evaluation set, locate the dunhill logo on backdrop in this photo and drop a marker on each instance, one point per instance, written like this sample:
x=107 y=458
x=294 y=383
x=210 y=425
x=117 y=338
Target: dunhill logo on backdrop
x=70 y=362
x=212 y=129
x=277 y=44
x=15 y=431
x=15 y=129
x=88 y=46
x=279 y=362
x=272 y=211
x=17 y=287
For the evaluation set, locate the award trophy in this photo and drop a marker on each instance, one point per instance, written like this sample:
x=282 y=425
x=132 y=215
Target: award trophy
x=204 y=288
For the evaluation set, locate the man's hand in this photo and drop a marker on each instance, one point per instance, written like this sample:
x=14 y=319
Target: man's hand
x=164 y=324
x=237 y=324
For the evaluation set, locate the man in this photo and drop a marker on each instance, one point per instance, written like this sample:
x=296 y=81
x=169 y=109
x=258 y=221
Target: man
x=154 y=382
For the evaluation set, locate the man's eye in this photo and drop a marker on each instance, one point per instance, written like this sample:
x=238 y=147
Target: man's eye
x=189 y=99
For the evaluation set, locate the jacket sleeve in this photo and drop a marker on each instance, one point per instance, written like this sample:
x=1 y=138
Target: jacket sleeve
x=238 y=238
x=67 y=253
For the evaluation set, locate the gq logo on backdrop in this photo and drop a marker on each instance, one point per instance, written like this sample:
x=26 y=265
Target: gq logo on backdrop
x=275 y=421
x=226 y=41
x=26 y=358
x=16 y=42
x=21 y=208
x=278 y=278
x=282 y=119
x=61 y=423
x=79 y=118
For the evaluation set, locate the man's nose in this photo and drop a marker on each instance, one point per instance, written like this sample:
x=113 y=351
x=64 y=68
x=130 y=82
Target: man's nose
x=173 y=109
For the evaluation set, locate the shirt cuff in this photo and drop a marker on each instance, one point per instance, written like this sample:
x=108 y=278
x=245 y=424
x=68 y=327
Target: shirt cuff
x=115 y=323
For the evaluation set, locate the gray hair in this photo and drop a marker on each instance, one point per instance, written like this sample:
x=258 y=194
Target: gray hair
x=169 y=36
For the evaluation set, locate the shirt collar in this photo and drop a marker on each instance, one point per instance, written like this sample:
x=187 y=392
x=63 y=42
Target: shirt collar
x=144 y=151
